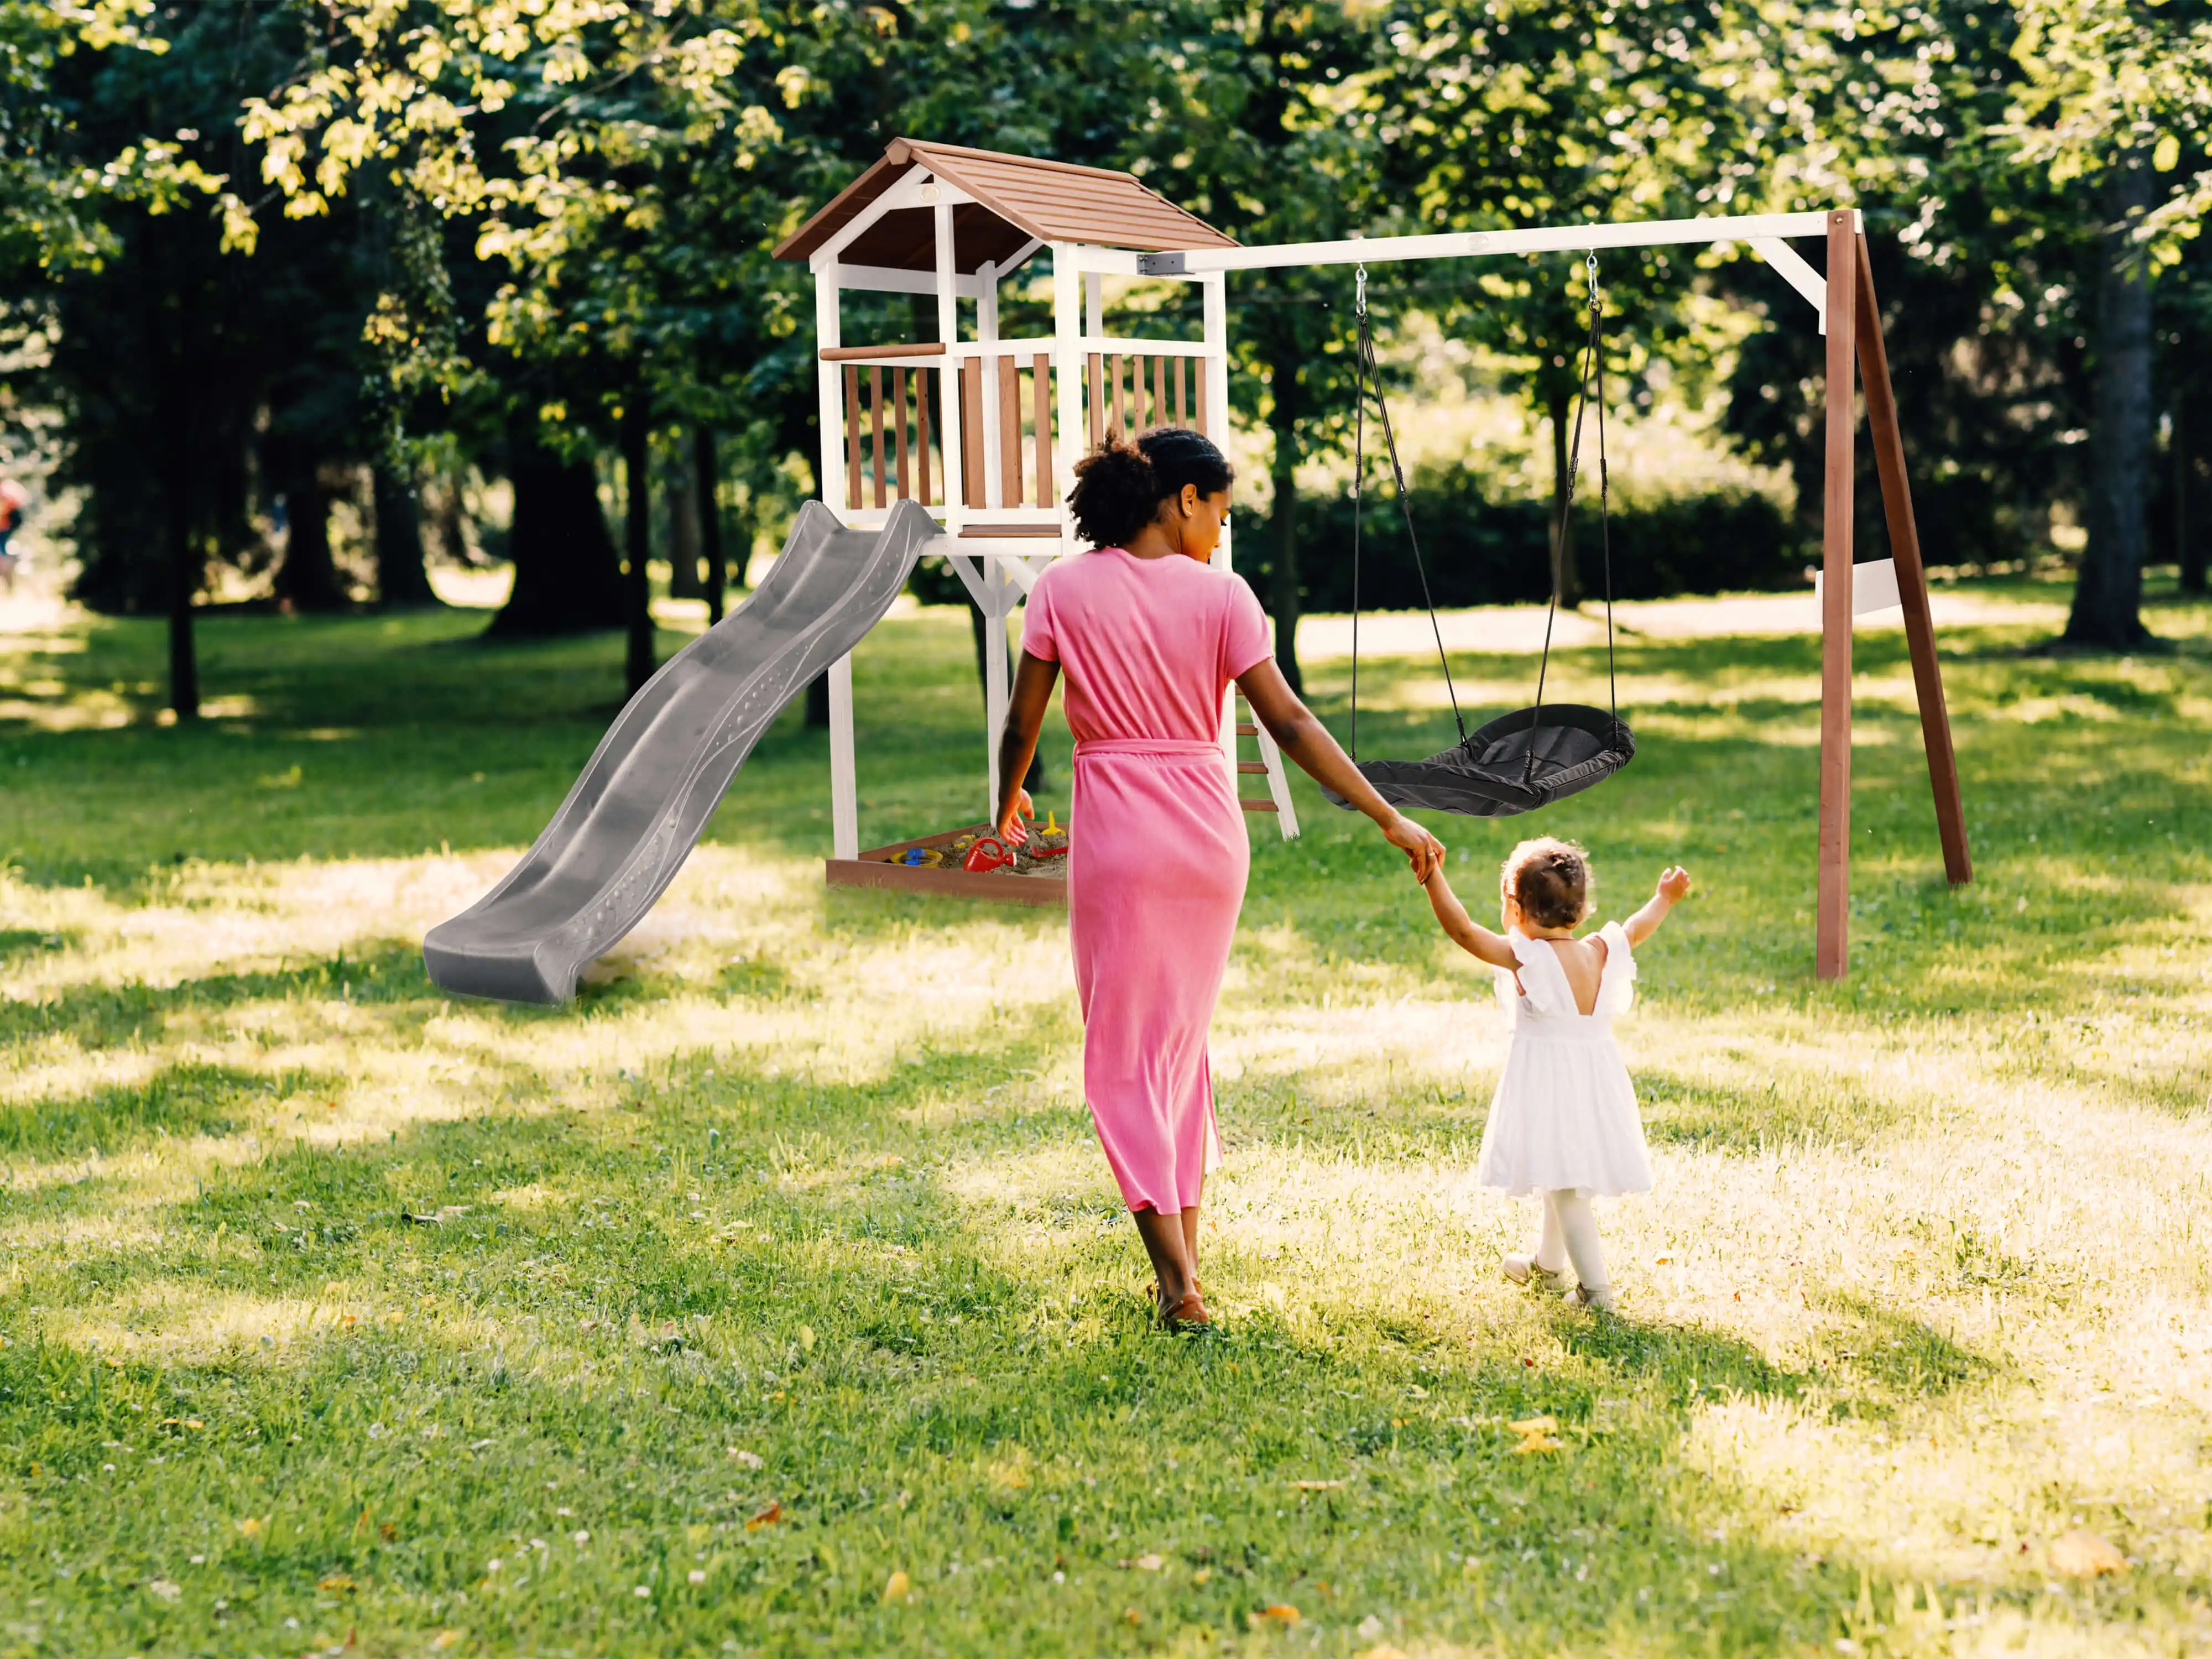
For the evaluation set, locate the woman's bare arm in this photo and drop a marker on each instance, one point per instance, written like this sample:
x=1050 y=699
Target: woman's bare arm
x=1470 y=935
x=1034 y=679
x=1307 y=741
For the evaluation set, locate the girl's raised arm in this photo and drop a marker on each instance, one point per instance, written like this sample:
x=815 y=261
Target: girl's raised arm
x=1674 y=882
x=1468 y=933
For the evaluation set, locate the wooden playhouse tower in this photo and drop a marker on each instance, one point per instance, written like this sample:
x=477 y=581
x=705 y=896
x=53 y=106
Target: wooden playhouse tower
x=984 y=430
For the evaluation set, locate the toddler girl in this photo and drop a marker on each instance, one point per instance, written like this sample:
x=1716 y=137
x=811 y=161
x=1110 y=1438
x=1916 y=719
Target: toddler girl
x=1563 y=1122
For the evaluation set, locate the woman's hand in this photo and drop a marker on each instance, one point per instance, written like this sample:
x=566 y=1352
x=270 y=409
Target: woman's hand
x=1422 y=850
x=1010 y=821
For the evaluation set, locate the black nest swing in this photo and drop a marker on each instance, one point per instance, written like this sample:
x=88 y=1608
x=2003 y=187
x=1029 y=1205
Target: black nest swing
x=1532 y=757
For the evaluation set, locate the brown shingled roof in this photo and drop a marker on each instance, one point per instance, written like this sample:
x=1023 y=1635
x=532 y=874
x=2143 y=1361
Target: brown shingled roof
x=1016 y=198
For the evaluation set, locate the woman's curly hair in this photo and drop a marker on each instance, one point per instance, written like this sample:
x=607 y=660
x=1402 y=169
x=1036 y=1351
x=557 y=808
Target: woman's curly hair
x=1552 y=880
x=1118 y=486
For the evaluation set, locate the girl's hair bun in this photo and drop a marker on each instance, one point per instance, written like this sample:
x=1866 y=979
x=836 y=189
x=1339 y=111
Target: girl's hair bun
x=1120 y=485
x=1550 y=879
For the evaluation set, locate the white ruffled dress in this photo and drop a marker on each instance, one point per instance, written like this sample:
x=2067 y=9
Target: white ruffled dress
x=1564 y=1115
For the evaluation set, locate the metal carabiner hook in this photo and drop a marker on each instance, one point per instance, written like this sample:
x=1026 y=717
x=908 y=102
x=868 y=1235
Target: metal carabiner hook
x=1360 y=292
x=1591 y=262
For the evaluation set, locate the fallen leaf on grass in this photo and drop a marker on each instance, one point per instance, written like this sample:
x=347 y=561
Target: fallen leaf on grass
x=1143 y=1563
x=750 y=1460
x=2083 y=1554
x=1547 y=1425
x=766 y=1517
x=898 y=1587
x=1316 y=1485
x=336 y=1580
x=1281 y=1613
x=251 y=1527
x=445 y=1638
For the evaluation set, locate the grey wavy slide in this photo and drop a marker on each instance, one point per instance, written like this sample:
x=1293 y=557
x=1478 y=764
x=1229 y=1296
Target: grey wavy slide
x=645 y=795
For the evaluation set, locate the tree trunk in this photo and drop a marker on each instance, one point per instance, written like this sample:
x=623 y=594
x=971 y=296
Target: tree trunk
x=184 y=573
x=308 y=579
x=637 y=501
x=1566 y=575
x=402 y=580
x=1283 y=590
x=680 y=491
x=2188 y=535
x=165 y=344
x=567 y=577
x=706 y=476
x=2108 y=594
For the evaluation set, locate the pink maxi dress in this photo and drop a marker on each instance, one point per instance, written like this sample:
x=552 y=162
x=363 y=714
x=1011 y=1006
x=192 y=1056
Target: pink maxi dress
x=1157 y=857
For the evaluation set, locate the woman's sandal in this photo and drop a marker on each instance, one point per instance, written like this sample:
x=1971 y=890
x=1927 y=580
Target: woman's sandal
x=1188 y=1315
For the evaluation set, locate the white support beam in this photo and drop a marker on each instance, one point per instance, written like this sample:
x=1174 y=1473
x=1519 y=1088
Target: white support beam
x=1549 y=238
x=844 y=785
x=830 y=390
x=882 y=279
x=1790 y=266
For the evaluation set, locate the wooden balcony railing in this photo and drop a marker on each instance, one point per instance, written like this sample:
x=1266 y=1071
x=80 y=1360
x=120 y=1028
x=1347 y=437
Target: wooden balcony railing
x=890 y=398
x=1106 y=377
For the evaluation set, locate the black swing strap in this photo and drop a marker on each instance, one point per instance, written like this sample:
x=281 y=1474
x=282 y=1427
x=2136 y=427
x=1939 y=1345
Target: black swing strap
x=1364 y=368
x=1592 y=373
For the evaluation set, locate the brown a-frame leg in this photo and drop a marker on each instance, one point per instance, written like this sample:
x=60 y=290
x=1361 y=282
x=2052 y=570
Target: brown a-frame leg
x=1855 y=343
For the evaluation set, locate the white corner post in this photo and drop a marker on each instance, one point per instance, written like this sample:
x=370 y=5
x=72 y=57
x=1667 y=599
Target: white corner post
x=987 y=379
x=844 y=794
x=1213 y=290
x=844 y=784
x=948 y=381
x=1067 y=286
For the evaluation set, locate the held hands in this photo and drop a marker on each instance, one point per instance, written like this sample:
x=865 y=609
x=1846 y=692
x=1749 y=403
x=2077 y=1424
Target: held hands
x=1423 y=850
x=1010 y=823
x=1674 y=884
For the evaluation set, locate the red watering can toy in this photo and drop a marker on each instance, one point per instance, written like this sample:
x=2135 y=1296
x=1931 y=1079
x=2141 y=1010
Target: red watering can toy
x=987 y=854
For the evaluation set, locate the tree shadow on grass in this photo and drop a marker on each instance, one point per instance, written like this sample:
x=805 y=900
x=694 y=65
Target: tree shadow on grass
x=96 y=1014
x=190 y=1098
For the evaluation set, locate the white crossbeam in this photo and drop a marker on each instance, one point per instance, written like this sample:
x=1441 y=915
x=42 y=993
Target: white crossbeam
x=1548 y=239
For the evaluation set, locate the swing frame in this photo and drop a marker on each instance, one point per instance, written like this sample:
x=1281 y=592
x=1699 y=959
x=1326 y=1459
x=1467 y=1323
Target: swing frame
x=1855 y=361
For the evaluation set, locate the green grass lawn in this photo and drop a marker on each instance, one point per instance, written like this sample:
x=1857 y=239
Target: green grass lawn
x=775 y=1299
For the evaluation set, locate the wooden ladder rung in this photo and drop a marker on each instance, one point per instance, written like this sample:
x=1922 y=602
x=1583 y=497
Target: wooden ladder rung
x=1251 y=805
x=1251 y=766
x=1246 y=729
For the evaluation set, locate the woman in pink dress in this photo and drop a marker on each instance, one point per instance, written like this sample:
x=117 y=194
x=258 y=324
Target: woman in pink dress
x=1149 y=638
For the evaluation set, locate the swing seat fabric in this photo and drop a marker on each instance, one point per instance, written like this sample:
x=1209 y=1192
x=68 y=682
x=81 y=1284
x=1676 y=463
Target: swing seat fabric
x=1517 y=764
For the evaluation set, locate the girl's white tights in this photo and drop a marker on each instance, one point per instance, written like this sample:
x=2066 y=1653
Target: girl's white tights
x=1570 y=1234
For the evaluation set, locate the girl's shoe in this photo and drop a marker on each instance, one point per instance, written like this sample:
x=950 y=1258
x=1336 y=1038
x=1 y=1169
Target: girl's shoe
x=1582 y=1296
x=1522 y=1268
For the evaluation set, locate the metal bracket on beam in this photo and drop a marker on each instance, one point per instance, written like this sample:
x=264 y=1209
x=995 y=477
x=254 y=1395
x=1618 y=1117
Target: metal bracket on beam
x=1170 y=263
